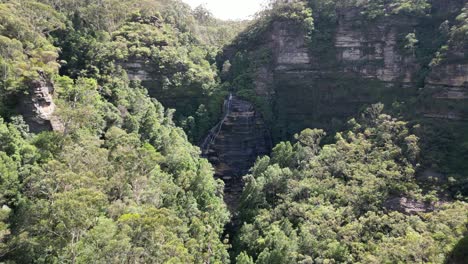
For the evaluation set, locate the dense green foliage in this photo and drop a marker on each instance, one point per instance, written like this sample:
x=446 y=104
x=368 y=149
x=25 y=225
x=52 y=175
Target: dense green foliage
x=120 y=183
x=177 y=46
x=427 y=33
x=313 y=204
x=167 y=40
x=297 y=12
x=24 y=46
x=310 y=203
x=378 y=8
x=457 y=36
x=138 y=193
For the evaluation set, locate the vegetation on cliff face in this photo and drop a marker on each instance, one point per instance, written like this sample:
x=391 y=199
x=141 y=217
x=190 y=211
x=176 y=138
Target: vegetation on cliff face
x=332 y=204
x=25 y=49
x=416 y=38
x=375 y=9
x=173 y=45
x=370 y=195
x=94 y=38
x=457 y=38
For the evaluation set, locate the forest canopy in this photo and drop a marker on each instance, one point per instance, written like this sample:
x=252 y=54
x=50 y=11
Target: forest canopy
x=129 y=88
x=353 y=201
x=119 y=182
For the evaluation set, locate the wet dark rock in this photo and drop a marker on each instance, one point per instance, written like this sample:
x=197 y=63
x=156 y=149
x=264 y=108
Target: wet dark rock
x=242 y=138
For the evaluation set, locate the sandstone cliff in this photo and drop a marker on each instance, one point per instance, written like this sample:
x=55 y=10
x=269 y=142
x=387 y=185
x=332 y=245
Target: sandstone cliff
x=447 y=81
x=38 y=107
x=323 y=78
x=235 y=145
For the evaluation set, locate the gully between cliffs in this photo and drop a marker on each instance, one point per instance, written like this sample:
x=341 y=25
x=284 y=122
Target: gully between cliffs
x=233 y=145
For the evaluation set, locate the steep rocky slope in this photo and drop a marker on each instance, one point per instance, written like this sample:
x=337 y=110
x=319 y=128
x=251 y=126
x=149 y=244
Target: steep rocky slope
x=235 y=144
x=447 y=81
x=38 y=107
x=351 y=62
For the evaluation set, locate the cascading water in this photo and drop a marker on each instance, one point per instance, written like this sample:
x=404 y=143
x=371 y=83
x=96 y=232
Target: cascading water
x=214 y=132
x=233 y=145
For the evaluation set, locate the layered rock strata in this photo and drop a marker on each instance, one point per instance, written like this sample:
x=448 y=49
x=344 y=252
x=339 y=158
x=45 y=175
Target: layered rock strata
x=447 y=84
x=351 y=63
x=236 y=145
x=38 y=108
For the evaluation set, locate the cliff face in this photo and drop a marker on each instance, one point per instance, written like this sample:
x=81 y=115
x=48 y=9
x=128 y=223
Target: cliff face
x=356 y=47
x=362 y=64
x=322 y=81
x=236 y=144
x=137 y=70
x=371 y=50
x=38 y=108
x=447 y=84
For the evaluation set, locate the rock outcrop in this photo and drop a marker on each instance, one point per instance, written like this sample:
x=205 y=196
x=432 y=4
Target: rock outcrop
x=367 y=51
x=372 y=51
x=347 y=63
x=409 y=206
x=308 y=88
x=447 y=83
x=137 y=70
x=237 y=143
x=38 y=108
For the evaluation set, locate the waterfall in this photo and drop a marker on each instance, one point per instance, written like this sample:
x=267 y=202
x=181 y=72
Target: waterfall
x=233 y=145
x=214 y=132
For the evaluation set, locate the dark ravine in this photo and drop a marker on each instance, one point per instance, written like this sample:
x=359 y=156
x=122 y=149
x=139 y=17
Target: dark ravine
x=234 y=144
